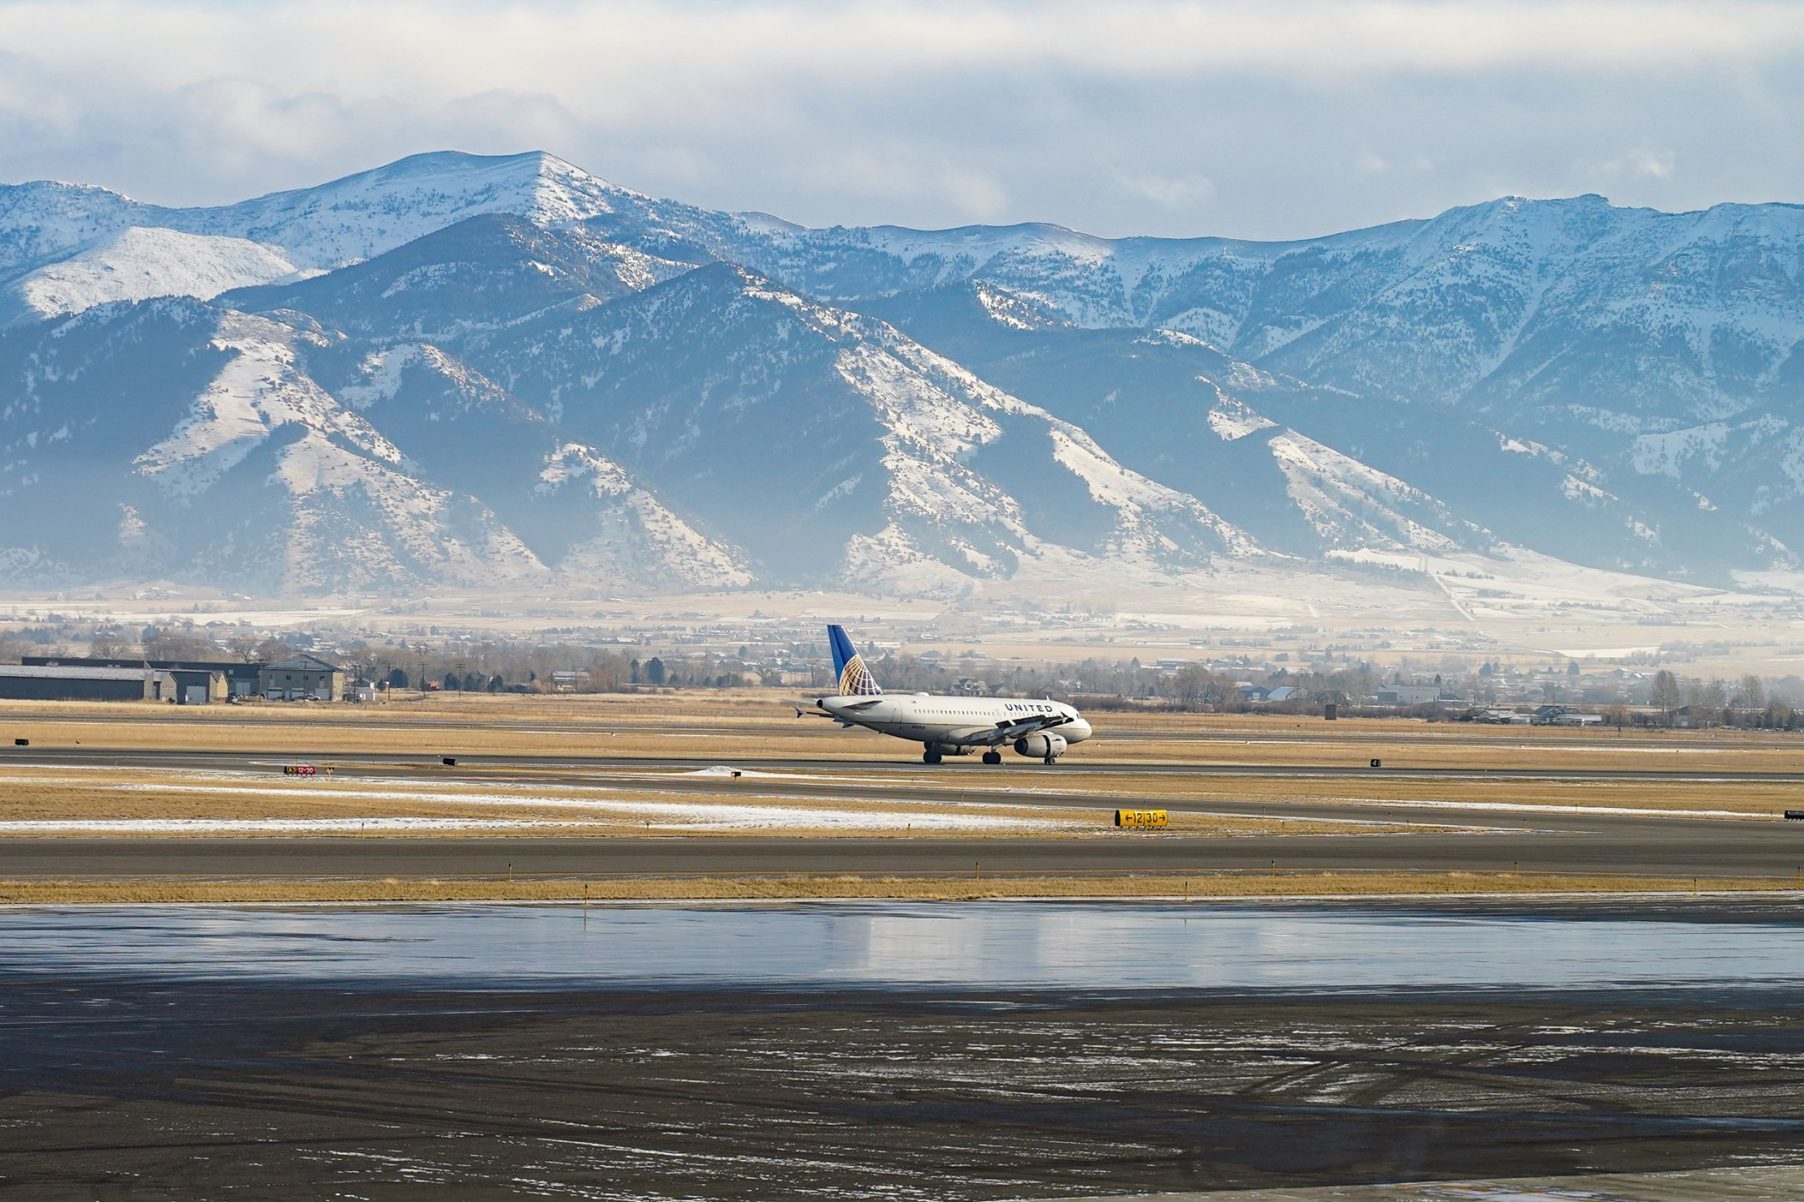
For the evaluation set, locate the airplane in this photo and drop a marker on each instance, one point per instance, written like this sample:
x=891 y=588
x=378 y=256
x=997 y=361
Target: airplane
x=1040 y=729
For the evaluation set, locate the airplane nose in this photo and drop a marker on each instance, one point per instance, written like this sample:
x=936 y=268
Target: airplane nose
x=1078 y=731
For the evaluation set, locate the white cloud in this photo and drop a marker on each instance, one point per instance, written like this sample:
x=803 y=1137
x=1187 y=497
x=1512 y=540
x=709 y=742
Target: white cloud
x=1245 y=118
x=1640 y=163
x=1184 y=191
x=1367 y=163
x=414 y=45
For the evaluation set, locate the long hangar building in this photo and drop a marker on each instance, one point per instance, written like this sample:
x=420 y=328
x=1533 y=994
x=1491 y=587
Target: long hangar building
x=59 y=682
x=184 y=682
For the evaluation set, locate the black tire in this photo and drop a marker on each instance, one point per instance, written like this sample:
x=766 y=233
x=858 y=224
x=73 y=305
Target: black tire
x=930 y=756
x=992 y=757
x=1051 y=760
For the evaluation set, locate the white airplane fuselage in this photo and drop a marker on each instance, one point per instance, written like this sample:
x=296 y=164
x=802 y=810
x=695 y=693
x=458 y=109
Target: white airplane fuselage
x=949 y=725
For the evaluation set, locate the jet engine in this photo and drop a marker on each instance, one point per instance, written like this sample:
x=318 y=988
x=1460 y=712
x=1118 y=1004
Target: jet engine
x=1043 y=746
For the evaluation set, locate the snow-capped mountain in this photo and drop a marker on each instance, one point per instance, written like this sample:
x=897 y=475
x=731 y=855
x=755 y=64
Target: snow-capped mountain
x=139 y=263
x=464 y=370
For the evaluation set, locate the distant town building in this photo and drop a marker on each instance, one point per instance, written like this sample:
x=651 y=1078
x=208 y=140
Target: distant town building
x=1691 y=717
x=1559 y=715
x=1409 y=694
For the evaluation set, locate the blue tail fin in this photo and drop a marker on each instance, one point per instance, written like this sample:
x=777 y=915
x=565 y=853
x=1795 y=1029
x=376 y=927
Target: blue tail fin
x=855 y=680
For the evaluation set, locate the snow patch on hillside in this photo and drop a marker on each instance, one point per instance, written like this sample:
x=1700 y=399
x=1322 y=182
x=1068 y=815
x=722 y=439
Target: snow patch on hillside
x=1352 y=505
x=139 y=263
x=634 y=535
x=258 y=390
x=572 y=461
x=381 y=373
x=1232 y=420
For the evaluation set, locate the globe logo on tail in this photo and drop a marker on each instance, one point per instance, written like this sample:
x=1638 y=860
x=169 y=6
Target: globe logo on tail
x=855 y=680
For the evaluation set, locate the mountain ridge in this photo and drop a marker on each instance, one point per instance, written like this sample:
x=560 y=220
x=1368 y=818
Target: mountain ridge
x=399 y=357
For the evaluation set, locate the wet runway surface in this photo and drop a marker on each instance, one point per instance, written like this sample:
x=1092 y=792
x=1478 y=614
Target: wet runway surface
x=949 y=1052
x=1081 y=946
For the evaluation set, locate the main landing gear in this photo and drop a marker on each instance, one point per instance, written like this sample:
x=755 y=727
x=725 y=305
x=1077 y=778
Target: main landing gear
x=931 y=756
x=992 y=757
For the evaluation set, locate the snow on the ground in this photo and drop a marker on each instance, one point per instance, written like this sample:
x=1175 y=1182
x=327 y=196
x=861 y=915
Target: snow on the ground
x=687 y=815
x=1510 y=807
x=255 y=826
x=812 y=777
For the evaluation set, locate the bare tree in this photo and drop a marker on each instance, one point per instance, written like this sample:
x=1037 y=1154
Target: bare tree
x=1750 y=693
x=1191 y=685
x=1665 y=691
x=110 y=647
x=174 y=644
x=271 y=651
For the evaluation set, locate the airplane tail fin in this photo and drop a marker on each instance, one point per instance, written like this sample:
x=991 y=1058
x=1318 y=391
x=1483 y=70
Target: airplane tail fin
x=855 y=680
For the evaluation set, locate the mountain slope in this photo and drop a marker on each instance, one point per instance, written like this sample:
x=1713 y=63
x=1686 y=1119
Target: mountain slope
x=458 y=368
x=826 y=443
x=235 y=463
x=137 y=264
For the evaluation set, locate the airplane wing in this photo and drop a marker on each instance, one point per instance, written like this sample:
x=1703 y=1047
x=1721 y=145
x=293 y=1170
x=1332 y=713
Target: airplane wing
x=1010 y=729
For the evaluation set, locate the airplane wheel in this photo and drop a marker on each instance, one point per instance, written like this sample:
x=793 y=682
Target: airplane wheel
x=930 y=756
x=1050 y=760
x=992 y=757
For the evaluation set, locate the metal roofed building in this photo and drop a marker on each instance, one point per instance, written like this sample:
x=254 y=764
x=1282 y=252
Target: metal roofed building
x=46 y=682
x=198 y=682
x=302 y=678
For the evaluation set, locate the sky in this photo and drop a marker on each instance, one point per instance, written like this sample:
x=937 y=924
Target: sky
x=1258 y=120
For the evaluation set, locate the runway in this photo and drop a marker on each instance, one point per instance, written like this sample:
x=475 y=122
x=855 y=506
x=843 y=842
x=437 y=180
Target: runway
x=1639 y=847
x=1013 y=769
x=1476 y=837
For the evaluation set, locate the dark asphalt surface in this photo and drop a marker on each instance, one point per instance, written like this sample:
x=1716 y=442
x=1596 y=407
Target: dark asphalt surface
x=1013 y=768
x=1650 y=848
